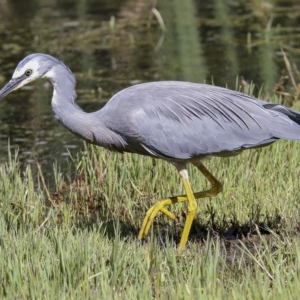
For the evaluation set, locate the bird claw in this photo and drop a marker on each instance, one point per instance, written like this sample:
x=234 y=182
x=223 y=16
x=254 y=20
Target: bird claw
x=159 y=206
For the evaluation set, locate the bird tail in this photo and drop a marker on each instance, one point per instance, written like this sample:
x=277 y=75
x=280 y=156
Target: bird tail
x=282 y=132
x=293 y=115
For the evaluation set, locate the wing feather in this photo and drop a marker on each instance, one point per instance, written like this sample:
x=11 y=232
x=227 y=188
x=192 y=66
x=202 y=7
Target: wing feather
x=180 y=120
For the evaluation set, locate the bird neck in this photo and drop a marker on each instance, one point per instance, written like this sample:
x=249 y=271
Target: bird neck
x=64 y=95
x=64 y=84
x=63 y=104
x=88 y=126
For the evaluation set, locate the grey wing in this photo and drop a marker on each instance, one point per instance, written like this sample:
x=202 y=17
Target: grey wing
x=179 y=120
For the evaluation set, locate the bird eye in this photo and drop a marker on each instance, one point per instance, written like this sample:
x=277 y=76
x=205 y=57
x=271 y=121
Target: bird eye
x=28 y=72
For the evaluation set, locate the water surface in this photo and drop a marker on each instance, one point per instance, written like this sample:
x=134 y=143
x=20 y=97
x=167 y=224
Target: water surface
x=110 y=45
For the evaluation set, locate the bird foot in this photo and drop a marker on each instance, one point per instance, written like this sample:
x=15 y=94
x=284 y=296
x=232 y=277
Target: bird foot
x=159 y=206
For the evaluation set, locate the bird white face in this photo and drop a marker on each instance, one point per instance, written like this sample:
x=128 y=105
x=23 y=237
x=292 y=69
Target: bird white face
x=25 y=72
x=29 y=72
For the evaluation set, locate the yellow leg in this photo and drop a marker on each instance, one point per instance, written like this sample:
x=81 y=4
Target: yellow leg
x=159 y=205
x=216 y=185
x=191 y=211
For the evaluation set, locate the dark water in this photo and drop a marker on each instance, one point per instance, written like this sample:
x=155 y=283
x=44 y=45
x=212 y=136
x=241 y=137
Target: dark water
x=110 y=45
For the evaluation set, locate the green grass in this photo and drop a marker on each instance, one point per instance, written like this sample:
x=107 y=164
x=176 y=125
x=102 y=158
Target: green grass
x=244 y=243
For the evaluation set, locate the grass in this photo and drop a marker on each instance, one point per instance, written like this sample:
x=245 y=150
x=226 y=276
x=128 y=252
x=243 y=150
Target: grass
x=244 y=243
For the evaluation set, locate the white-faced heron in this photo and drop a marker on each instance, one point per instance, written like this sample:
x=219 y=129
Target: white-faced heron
x=180 y=122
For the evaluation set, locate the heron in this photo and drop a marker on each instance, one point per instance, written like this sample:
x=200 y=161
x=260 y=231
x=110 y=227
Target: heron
x=179 y=122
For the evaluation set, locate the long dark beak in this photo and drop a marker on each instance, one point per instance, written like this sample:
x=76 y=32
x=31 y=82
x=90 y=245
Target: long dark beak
x=11 y=85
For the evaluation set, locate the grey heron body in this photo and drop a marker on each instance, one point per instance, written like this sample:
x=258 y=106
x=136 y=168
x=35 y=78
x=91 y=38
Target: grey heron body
x=179 y=122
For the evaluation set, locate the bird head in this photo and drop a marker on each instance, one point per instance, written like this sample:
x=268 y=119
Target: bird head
x=32 y=67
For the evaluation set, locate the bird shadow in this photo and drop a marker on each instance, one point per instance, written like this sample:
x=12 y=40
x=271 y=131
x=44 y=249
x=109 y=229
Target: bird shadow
x=125 y=225
x=165 y=232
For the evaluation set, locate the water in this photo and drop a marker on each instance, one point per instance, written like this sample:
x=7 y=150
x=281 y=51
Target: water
x=110 y=45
